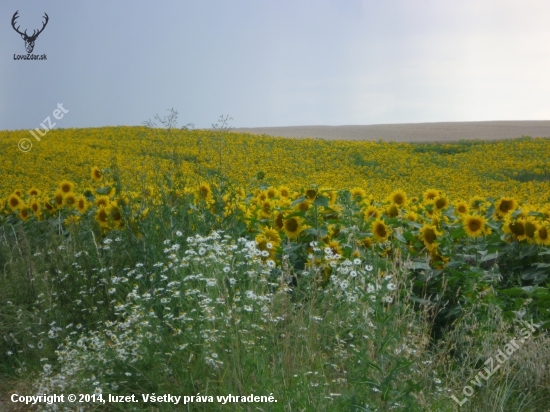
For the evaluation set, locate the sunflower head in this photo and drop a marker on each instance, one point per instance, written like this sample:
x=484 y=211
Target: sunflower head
x=399 y=198
x=312 y=193
x=112 y=192
x=303 y=206
x=35 y=207
x=66 y=186
x=543 y=235
x=272 y=192
x=441 y=202
x=334 y=245
x=358 y=194
x=411 y=216
x=59 y=198
x=102 y=201
x=82 y=204
x=272 y=235
x=48 y=206
x=429 y=235
x=531 y=227
x=102 y=217
x=24 y=213
x=366 y=242
x=34 y=192
x=461 y=208
x=371 y=212
x=392 y=210
x=70 y=199
x=474 y=225
x=380 y=231
x=331 y=194
x=72 y=221
x=205 y=191
x=430 y=195
x=515 y=227
x=292 y=226
x=114 y=215
x=96 y=174
x=15 y=202
x=278 y=222
x=504 y=206
x=284 y=191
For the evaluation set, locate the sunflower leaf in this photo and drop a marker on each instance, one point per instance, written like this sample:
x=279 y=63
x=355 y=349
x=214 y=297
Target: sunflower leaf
x=299 y=200
x=104 y=190
x=321 y=201
x=489 y=256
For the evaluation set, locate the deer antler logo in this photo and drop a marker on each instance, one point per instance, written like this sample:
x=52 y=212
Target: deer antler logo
x=29 y=40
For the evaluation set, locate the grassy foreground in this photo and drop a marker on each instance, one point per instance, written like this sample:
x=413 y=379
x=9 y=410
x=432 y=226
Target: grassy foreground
x=147 y=268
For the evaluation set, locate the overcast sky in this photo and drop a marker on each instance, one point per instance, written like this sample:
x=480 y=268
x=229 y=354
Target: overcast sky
x=276 y=62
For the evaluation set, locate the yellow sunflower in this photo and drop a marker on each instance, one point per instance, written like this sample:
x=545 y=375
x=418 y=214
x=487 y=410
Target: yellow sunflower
x=205 y=191
x=284 y=191
x=96 y=174
x=334 y=245
x=70 y=200
x=48 y=206
x=115 y=215
x=516 y=228
x=380 y=231
x=82 y=204
x=371 y=212
x=15 y=202
x=24 y=213
x=461 y=208
x=430 y=195
x=266 y=208
x=112 y=192
x=102 y=217
x=474 y=225
x=278 y=222
x=438 y=261
x=66 y=186
x=331 y=194
x=411 y=216
x=102 y=201
x=34 y=192
x=72 y=221
x=366 y=242
x=392 y=210
x=543 y=235
x=59 y=198
x=272 y=192
x=531 y=228
x=311 y=193
x=264 y=244
x=399 y=198
x=357 y=194
x=441 y=202
x=504 y=206
x=429 y=234
x=292 y=227
x=35 y=207
x=303 y=206
x=272 y=235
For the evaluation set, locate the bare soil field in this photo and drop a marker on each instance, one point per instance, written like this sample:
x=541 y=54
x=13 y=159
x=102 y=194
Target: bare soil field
x=444 y=132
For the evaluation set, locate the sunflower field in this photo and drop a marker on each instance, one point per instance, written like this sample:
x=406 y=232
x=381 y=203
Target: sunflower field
x=332 y=275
